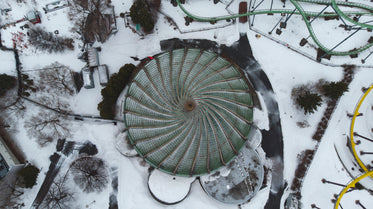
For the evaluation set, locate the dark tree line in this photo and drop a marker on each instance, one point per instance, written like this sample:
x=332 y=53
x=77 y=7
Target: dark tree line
x=9 y=98
x=6 y=83
x=111 y=92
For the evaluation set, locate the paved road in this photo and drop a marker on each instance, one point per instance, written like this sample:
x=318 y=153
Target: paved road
x=272 y=141
x=54 y=168
x=56 y=162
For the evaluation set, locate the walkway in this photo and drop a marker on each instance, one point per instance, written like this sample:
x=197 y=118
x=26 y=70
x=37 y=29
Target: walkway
x=56 y=162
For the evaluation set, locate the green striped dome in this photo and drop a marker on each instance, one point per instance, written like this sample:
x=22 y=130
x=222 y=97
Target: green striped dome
x=188 y=111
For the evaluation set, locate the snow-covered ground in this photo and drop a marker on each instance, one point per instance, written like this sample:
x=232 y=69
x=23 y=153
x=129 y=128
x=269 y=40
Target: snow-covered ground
x=7 y=63
x=285 y=69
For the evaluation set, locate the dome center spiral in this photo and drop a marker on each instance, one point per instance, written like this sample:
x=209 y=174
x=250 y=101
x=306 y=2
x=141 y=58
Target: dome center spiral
x=189 y=105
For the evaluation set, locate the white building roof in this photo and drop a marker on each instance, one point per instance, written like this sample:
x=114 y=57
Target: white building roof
x=103 y=74
x=93 y=60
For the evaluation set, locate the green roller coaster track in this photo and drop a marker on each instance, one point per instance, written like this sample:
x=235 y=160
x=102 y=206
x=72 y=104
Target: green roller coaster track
x=305 y=14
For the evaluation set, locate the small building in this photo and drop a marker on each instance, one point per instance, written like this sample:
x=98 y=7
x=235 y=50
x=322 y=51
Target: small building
x=87 y=76
x=92 y=56
x=111 y=22
x=53 y=6
x=33 y=17
x=7 y=158
x=103 y=75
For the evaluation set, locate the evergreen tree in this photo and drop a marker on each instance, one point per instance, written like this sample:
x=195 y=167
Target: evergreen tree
x=309 y=101
x=334 y=90
x=6 y=83
x=140 y=14
x=28 y=175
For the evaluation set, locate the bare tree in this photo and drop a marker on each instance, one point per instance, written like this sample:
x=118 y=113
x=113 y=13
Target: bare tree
x=12 y=194
x=55 y=102
x=92 y=22
x=15 y=198
x=56 y=79
x=90 y=174
x=47 y=126
x=11 y=103
x=77 y=14
x=59 y=196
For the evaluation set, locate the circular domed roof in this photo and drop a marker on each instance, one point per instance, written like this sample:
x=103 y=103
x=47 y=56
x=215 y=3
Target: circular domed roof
x=188 y=111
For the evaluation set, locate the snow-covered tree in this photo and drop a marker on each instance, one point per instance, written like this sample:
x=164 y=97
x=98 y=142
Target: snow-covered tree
x=47 y=41
x=47 y=126
x=56 y=79
x=14 y=195
x=90 y=174
x=59 y=196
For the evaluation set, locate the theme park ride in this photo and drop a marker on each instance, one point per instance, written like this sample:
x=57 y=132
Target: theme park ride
x=352 y=20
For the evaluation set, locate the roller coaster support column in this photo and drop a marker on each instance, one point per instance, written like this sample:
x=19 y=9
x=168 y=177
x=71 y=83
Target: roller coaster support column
x=330 y=182
x=366 y=138
x=270 y=8
x=253 y=9
x=314 y=206
x=366 y=153
x=304 y=40
x=340 y=43
x=340 y=17
x=283 y=24
x=314 y=18
x=359 y=203
x=270 y=32
x=363 y=60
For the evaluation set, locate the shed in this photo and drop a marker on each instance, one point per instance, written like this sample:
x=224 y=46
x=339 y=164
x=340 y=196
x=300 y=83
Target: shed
x=103 y=75
x=53 y=6
x=92 y=55
x=87 y=75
